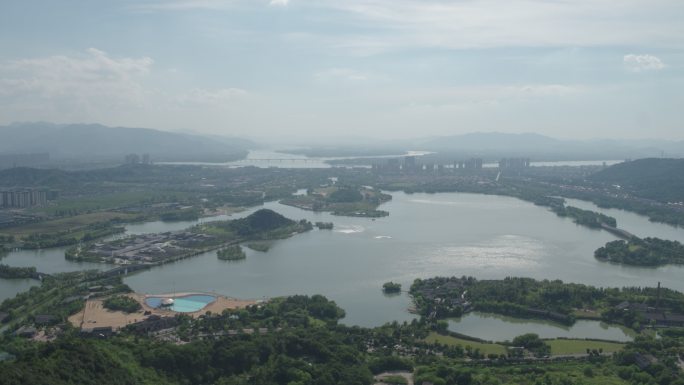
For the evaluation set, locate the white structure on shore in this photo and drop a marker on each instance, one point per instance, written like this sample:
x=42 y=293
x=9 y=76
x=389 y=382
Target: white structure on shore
x=166 y=302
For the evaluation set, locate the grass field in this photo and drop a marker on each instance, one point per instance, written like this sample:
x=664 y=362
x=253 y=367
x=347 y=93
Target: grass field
x=558 y=346
x=449 y=340
x=587 y=314
x=562 y=346
x=58 y=225
x=112 y=201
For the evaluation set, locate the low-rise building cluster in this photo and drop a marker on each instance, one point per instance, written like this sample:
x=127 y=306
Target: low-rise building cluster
x=149 y=248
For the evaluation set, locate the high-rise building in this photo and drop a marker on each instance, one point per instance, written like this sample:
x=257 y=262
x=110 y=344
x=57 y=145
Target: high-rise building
x=23 y=198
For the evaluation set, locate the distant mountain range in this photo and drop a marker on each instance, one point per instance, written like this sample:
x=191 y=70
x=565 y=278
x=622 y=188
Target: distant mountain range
x=495 y=145
x=540 y=147
x=98 y=142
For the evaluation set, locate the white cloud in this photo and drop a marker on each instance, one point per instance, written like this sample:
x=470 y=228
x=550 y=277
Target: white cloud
x=79 y=79
x=638 y=63
x=376 y=26
x=96 y=86
x=496 y=23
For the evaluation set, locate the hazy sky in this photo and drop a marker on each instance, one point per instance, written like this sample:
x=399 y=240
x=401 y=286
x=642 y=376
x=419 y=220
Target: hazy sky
x=408 y=68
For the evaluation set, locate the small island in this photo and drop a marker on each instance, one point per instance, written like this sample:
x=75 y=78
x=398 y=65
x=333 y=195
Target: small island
x=586 y=218
x=642 y=252
x=324 y=225
x=231 y=253
x=352 y=201
x=391 y=287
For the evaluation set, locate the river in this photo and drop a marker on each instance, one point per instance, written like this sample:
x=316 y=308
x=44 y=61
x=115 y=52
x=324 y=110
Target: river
x=425 y=235
x=268 y=158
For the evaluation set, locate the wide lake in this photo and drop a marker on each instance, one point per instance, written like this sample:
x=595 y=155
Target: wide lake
x=425 y=235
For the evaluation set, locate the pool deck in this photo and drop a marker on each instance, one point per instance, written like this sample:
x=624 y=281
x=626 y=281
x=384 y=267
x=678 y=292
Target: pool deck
x=94 y=314
x=217 y=306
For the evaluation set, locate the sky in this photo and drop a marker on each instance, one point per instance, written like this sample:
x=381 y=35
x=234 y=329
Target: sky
x=575 y=69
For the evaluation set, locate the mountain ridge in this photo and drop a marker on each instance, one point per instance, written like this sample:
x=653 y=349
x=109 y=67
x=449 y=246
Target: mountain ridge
x=97 y=141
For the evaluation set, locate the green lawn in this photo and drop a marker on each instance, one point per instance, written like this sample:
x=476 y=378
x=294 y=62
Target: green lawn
x=112 y=201
x=587 y=314
x=449 y=340
x=563 y=346
x=558 y=346
x=70 y=223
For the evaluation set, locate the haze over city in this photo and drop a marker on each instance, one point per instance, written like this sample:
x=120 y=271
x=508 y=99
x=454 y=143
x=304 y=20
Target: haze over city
x=324 y=69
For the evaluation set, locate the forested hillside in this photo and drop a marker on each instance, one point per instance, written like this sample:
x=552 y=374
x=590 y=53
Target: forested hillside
x=653 y=178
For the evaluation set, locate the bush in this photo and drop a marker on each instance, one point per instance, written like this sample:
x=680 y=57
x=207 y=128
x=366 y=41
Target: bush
x=387 y=363
x=122 y=303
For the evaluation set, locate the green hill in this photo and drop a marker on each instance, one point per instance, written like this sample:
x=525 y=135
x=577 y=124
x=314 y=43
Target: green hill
x=99 y=142
x=651 y=178
x=260 y=221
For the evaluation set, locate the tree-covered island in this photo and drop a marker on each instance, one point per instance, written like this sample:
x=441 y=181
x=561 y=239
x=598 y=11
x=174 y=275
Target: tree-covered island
x=324 y=225
x=348 y=200
x=642 y=252
x=391 y=287
x=586 y=218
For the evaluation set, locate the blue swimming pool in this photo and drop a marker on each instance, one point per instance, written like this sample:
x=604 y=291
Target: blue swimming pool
x=186 y=304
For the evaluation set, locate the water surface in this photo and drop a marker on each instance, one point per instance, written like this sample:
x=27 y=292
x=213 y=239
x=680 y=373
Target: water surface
x=498 y=328
x=184 y=304
x=636 y=224
x=489 y=237
x=425 y=235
